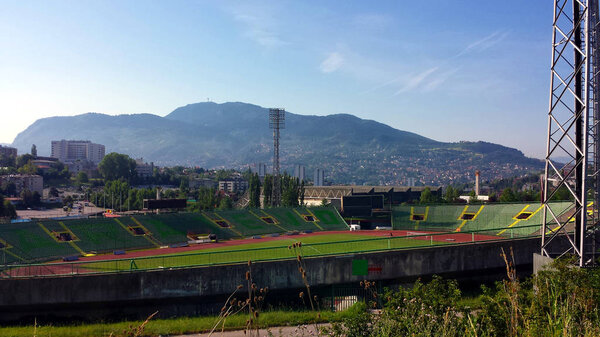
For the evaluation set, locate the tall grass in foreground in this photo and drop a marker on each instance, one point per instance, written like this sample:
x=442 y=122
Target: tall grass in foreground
x=174 y=326
x=559 y=301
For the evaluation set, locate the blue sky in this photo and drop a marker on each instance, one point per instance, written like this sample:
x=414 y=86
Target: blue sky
x=448 y=70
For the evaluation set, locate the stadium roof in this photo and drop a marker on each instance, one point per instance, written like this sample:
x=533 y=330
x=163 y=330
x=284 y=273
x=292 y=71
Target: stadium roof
x=336 y=192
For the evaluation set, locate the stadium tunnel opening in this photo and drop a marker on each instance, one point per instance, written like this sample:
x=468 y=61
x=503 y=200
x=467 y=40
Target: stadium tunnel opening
x=64 y=236
x=309 y=218
x=268 y=219
x=524 y=215
x=137 y=230
x=467 y=216
x=222 y=223
x=417 y=217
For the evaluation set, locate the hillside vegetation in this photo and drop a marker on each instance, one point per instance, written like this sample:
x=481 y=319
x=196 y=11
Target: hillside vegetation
x=350 y=149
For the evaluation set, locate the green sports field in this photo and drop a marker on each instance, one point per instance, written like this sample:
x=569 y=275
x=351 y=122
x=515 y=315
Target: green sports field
x=270 y=250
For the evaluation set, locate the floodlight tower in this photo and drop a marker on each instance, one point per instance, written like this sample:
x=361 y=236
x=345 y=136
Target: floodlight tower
x=573 y=125
x=276 y=122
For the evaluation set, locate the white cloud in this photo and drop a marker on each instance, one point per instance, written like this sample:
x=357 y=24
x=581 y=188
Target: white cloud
x=434 y=83
x=484 y=43
x=260 y=23
x=415 y=80
x=332 y=63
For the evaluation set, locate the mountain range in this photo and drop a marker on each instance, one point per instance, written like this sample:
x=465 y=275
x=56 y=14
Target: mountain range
x=237 y=135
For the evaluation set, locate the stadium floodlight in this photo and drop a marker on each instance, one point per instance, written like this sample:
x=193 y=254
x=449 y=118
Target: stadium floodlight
x=572 y=148
x=276 y=122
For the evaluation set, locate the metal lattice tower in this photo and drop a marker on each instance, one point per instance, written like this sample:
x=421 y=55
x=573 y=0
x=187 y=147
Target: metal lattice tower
x=276 y=122
x=573 y=118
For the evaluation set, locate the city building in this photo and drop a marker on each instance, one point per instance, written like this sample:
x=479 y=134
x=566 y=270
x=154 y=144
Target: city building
x=144 y=170
x=71 y=150
x=392 y=195
x=299 y=172
x=8 y=151
x=32 y=182
x=86 y=166
x=233 y=185
x=261 y=169
x=319 y=178
x=202 y=182
x=44 y=163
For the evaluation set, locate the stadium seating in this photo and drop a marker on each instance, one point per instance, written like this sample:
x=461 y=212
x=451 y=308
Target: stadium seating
x=497 y=219
x=173 y=228
x=55 y=239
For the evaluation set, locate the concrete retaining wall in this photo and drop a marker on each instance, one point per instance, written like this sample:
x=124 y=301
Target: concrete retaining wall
x=19 y=297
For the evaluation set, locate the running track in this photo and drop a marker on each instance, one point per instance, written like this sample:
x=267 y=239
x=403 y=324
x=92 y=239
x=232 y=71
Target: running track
x=51 y=269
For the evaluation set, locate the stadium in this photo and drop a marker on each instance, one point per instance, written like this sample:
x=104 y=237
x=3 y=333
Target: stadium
x=47 y=256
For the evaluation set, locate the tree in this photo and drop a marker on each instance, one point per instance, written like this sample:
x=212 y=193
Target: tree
x=451 y=194
x=427 y=197
x=473 y=198
x=36 y=198
x=7 y=161
x=28 y=168
x=7 y=209
x=267 y=190
x=302 y=193
x=53 y=192
x=68 y=201
x=23 y=160
x=254 y=191
x=116 y=166
x=507 y=195
x=8 y=188
x=81 y=178
x=562 y=194
x=34 y=151
x=225 y=203
x=290 y=191
x=31 y=198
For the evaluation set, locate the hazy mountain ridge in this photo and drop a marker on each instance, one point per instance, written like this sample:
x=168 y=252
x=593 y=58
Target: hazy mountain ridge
x=350 y=149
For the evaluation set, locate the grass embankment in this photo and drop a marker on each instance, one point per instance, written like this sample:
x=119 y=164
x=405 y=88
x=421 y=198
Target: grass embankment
x=268 y=250
x=174 y=326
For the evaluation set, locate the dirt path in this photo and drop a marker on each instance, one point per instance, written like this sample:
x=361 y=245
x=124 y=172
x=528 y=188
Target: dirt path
x=284 y=331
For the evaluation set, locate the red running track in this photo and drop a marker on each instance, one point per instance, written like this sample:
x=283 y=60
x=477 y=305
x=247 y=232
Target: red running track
x=51 y=269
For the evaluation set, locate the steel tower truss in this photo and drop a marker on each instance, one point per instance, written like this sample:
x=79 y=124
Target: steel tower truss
x=276 y=122
x=572 y=150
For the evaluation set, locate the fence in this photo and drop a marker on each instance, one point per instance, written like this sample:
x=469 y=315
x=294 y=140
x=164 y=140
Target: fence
x=411 y=239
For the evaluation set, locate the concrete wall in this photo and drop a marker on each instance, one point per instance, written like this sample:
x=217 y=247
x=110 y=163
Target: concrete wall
x=21 y=297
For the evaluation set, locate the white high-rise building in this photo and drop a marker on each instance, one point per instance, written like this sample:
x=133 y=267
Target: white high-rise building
x=319 y=179
x=262 y=169
x=299 y=172
x=72 y=150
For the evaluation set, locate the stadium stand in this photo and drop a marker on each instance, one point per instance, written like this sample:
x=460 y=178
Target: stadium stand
x=499 y=219
x=105 y=234
x=30 y=242
x=56 y=239
x=174 y=228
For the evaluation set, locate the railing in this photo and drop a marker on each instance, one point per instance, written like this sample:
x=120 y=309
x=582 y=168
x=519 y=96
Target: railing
x=413 y=239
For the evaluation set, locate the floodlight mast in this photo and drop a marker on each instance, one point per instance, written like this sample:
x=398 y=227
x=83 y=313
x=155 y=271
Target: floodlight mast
x=276 y=122
x=573 y=125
